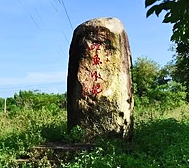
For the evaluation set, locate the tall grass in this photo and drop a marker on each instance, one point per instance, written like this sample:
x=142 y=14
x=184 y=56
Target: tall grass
x=161 y=139
x=24 y=129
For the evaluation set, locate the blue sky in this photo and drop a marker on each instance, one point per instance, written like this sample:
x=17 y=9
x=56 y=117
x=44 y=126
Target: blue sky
x=35 y=36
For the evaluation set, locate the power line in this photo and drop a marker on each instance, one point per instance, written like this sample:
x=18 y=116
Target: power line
x=39 y=15
x=67 y=14
x=29 y=15
x=30 y=86
x=42 y=20
x=58 y=21
x=25 y=88
x=54 y=7
x=64 y=34
x=62 y=51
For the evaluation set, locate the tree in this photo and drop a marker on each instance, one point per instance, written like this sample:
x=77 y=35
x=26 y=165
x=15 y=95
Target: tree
x=180 y=72
x=177 y=13
x=37 y=100
x=1 y=104
x=145 y=74
x=154 y=86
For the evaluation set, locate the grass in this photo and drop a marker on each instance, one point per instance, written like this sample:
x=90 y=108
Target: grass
x=161 y=139
x=20 y=131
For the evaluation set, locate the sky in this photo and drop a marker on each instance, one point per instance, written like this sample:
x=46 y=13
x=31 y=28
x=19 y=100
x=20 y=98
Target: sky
x=35 y=37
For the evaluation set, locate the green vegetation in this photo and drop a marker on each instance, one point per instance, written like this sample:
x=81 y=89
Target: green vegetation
x=28 y=128
x=34 y=100
x=176 y=13
x=154 y=87
x=160 y=137
x=160 y=140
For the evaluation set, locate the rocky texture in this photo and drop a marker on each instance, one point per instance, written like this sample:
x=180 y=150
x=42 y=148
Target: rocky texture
x=99 y=91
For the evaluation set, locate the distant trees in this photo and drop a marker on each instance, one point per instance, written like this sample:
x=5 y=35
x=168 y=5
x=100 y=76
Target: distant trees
x=34 y=100
x=153 y=86
x=1 y=104
x=145 y=73
x=37 y=100
x=180 y=70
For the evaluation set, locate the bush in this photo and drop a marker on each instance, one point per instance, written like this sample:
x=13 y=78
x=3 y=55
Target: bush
x=163 y=97
x=36 y=101
x=26 y=129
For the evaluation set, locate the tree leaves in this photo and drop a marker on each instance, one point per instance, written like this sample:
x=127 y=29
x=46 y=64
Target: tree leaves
x=177 y=14
x=145 y=72
x=156 y=8
x=149 y=2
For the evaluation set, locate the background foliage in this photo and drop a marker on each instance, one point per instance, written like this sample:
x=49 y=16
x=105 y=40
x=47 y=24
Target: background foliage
x=155 y=87
x=34 y=100
x=161 y=115
x=177 y=13
x=160 y=129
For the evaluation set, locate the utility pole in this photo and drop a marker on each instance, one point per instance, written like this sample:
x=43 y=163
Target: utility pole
x=5 y=106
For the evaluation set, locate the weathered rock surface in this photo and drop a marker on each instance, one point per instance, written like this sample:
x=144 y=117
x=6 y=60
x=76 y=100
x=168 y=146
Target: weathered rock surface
x=99 y=90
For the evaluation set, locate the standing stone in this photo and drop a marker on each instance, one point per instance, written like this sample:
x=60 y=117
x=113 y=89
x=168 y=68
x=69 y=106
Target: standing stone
x=100 y=98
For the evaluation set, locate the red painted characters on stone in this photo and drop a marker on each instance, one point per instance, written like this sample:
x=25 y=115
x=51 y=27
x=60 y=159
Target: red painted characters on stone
x=96 y=60
x=95 y=76
x=95 y=86
x=96 y=89
x=95 y=46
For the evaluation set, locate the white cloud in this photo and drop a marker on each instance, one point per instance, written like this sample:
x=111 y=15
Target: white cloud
x=49 y=82
x=33 y=78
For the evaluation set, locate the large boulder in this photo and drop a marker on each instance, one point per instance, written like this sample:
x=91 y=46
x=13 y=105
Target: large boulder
x=100 y=98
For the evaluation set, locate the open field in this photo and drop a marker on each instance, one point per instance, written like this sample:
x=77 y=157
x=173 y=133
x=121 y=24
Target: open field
x=160 y=140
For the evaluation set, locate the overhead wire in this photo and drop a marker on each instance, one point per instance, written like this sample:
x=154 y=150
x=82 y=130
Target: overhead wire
x=39 y=15
x=29 y=86
x=61 y=2
x=14 y=87
x=42 y=20
x=29 y=14
x=59 y=22
x=62 y=51
x=58 y=13
x=67 y=14
x=64 y=34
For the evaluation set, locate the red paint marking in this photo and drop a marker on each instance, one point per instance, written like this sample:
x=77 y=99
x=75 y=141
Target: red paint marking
x=96 y=60
x=85 y=88
x=95 y=46
x=96 y=89
x=95 y=75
